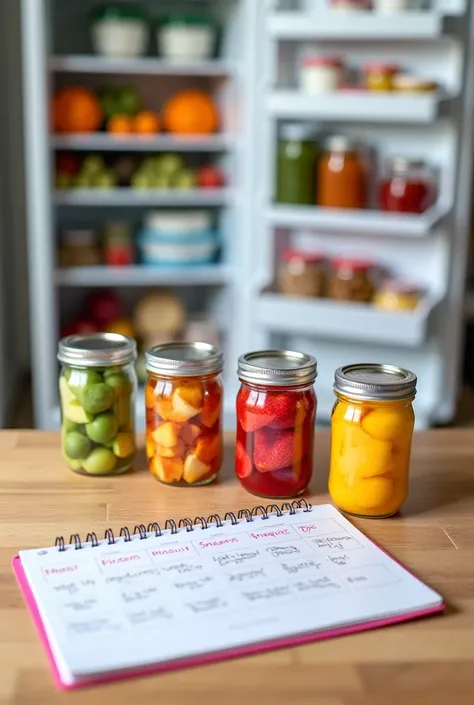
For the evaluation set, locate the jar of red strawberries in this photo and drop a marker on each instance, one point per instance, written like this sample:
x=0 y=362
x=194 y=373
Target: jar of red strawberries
x=276 y=410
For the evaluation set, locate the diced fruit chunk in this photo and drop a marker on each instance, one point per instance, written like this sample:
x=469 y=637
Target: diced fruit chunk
x=166 y=435
x=124 y=445
x=181 y=409
x=176 y=451
x=384 y=424
x=100 y=461
x=194 y=469
x=190 y=391
x=150 y=446
x=372 y=492
x=208 y=448
x=66 y=394
x=167 y=469
x=150 y=397
x=211 y=408
x=189 y=433
x=74 y=412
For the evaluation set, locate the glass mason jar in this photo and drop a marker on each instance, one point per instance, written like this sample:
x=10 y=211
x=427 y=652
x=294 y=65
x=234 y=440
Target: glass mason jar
x=407 y=187
x=296 y=165
x=341 y=175
x=301 y=273
x=97 y=386
x=350 y=280
x=276 y=410
x=371 y=433
x=183 y=396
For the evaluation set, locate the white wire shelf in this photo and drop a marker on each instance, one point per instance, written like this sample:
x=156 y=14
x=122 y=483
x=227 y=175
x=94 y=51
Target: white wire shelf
x=130 y=197
x=104 y=142
x=348 y=221
x=356 y=105
x=144 y=275
x=144 y=65
x=346 y=320
x=360 y=25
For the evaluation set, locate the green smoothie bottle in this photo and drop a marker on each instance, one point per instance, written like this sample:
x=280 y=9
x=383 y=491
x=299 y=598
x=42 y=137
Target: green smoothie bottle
x=296 y=164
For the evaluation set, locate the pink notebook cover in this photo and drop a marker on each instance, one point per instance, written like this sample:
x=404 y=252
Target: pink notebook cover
x=200 y=659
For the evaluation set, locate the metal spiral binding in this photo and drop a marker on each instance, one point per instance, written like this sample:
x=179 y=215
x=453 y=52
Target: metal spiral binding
x=199 y=522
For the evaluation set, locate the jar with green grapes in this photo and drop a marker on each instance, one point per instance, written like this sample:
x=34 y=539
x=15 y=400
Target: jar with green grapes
x=97 y=386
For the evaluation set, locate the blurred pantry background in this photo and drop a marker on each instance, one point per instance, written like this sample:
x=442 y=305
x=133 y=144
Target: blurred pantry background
x=283 y=173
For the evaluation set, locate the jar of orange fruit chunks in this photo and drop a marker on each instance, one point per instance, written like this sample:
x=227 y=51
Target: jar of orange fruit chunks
x=371 y=434
x=183 y=395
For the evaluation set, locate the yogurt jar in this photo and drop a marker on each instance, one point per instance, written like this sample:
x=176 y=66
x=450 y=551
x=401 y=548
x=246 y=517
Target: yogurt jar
x=119 y=32
x=186 y=37
x=320 y=74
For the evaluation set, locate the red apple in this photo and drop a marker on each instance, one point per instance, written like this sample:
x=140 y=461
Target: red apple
x=209 y=177
x=104 y=306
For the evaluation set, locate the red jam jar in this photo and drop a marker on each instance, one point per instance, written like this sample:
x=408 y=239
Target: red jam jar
x=408 y=186
x=276 y=413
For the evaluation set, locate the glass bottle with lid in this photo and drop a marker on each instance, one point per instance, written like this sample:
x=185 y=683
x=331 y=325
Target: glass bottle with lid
x=276 y=410
x=407 y=187
x=371 y=434
x=342 y=175
x=97 y=385
x=183 y=396
x=296 y=164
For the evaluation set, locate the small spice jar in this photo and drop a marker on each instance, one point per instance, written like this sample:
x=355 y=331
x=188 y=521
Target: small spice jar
x=301 y=273
x=371 y=434
x=296 y=164
x=350 y=280
x=183 y=396
x=79 y=248
x=320 y=74
x=97 y=385
x=379 y=76
x=350 y=5
x=341 y=175
x=397 y=295
x=276 y=409
x=407 y=187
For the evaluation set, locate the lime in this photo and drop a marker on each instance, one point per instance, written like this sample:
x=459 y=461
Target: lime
x=119 y=383
x=100 y=461
x=76 y=446
x=69 y=425
x=96 y=397
x=81 y=378
x=103 y=428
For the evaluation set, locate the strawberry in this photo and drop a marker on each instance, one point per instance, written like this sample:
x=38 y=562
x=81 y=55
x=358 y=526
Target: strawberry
x=276 y=449
x=250 y=410
x=285 y=410
x=243 y=464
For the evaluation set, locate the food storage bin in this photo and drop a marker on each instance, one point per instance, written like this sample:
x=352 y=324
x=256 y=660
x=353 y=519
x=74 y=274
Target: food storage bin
x=407 y=187
x=350 y=279
x=301 y=273
x=320 y=74
x=296 y=164
x=379 y=76
x=186 y=37
x=341 y=175
x=119 y=31
x=371 y=433
x=97 y=385
x=276 y=409
x=397 y=295
x=183 y=396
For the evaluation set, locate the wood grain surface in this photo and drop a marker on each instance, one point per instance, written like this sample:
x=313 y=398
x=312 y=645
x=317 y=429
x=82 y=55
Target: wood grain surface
x=429 y=661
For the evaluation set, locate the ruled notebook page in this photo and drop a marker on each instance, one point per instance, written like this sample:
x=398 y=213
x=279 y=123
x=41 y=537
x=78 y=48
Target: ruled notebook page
x=155 y=600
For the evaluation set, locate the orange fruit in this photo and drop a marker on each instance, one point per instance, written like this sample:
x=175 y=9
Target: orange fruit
x=76 y=109
x=120 y=124
x=122 y=326
x=146 y=122
x=190 y=112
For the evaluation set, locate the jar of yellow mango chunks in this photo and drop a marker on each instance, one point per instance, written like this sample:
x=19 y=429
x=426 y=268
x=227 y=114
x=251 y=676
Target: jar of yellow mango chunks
x=371 y=433
x=183 y=395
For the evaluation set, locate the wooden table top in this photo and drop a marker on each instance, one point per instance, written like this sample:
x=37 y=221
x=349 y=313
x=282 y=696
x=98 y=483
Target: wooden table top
x=428 y=661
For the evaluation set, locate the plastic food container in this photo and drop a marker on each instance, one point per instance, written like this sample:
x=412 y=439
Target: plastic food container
x=398 y=295
x=371 y=434
x=408 y=187
x=320 y=74
x=119 y=31
x=187 y=250
x=296 y=164
x=411 y=84
x=183 y=396
x=186 y=38
x=170 y=223
x=276 y=409
x=379 y=77
x=97 y=386
x=342 y=175
x=350 y=280
x=301 y=273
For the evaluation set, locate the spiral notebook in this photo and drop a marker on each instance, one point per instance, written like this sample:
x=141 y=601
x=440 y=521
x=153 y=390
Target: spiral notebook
x=203 y=590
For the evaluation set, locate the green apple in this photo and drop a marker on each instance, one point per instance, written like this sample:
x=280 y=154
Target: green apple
x=169 y=164
x=183 y=179
x=92 y=165
x=105 y=180
x=102 y=429
x=160 y=181
x=141 y=180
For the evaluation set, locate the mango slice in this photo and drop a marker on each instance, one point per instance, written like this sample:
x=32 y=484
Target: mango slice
x=150 y=446
x=176 y=451
x=211 y=409
x=150 y=396
x=385 y=424
x=182 y=410
x=194 y=469
x=167 y=469
x=124 y=445
x=189 y=433
x=373 y=492
x=166 y=435
x=208 y=448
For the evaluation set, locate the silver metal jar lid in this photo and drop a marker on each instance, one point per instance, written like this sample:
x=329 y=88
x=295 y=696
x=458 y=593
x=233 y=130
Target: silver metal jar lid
x=97 y=350
x=277 y=367
x=184 y=359
x=373 y=382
